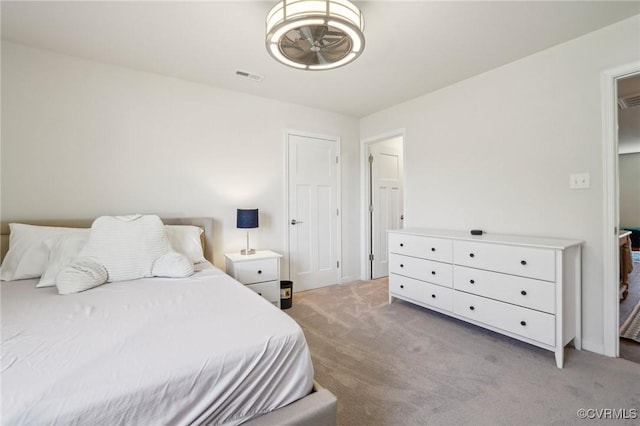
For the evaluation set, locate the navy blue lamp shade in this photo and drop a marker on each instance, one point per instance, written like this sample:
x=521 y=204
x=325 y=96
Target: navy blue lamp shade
x=247 y=219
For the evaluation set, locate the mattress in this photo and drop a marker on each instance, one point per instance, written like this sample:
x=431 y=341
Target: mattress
x=203 y=349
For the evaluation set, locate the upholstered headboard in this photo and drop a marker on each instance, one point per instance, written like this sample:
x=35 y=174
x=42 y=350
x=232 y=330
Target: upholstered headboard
x=205 y=223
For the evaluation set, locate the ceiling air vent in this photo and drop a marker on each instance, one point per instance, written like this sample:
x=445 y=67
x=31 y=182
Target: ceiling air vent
x=249 y=75
x=630 y=101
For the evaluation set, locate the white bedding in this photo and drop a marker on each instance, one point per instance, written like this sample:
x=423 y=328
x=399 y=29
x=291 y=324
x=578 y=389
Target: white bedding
x=154 y=351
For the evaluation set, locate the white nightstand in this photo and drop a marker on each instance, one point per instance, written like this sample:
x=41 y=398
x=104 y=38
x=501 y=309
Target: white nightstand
x=260 y=272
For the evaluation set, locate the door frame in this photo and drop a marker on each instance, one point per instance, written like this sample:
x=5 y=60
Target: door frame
x=286 y=272
x=611 y=206
x=365 y=243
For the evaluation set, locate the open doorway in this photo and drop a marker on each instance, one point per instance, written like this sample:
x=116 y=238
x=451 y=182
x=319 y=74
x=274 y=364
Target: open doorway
x=611 y=205
x=628 y=95
x=384 y=198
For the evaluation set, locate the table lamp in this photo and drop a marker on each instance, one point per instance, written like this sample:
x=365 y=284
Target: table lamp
x=247 y=219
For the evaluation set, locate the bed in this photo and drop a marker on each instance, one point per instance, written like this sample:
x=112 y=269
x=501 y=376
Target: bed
x=197 y=350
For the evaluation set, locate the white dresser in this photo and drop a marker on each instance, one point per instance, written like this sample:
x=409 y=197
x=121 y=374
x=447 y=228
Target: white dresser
x=528 y=288
x=260 y=272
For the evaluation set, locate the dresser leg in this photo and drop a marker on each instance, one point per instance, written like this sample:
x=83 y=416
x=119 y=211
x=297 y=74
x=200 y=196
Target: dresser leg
x=390 y=299
x=560 y=357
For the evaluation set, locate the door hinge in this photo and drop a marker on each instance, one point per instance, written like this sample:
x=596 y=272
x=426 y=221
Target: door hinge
x=337 y=159
x=371 y=257
x=371 y=208
x=338 y=264
x=370 y=158
x=337 y=212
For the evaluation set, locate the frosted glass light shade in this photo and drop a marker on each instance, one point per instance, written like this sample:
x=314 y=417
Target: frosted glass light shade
x=315 y=34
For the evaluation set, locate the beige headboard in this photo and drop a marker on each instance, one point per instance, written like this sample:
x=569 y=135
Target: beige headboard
x=205 y=223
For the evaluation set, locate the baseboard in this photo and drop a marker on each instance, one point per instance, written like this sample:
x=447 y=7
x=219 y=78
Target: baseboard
x=593 y=347
x=348 y=279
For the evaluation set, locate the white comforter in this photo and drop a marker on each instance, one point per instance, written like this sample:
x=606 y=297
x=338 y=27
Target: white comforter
x=148 y=352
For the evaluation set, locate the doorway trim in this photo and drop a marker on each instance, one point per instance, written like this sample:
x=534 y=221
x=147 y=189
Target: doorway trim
x=285 y=271
x=611 y=201
x=365 y=242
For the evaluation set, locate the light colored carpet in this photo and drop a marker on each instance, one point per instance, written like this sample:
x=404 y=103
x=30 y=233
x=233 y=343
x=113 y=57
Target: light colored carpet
x=400 y=364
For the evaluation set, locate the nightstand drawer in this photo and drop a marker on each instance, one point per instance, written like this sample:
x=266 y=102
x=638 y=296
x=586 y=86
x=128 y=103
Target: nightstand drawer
x=257 y=271
x=269 y=290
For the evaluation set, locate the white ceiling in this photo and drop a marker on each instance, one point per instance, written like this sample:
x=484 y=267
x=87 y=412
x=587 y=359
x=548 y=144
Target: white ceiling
x=412 y=48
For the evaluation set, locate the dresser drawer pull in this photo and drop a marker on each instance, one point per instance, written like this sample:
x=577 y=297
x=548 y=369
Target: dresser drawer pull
x=433 y=272
x=401 y=285
x=259 y=294
x=523 y=323
x=433 y=249
x=524 y=293
x=471 y=255
x=433 y=296
x=401 y=245
x=472 y=281
x=259 y=271
x=401 y=265
x=523 y=262
x=472 y=308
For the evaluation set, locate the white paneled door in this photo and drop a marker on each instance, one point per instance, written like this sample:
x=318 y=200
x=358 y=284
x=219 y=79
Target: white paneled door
x=313 y=211
x=386 y=202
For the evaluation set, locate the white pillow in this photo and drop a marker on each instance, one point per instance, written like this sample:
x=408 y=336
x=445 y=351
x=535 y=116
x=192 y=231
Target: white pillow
x=28 y=255
x=172 y=265
x=185 y=239
x=128 y=246
x=80 y=275
x=62 y=250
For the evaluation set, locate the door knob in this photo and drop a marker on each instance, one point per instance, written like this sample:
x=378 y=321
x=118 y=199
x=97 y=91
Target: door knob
x=295 y=222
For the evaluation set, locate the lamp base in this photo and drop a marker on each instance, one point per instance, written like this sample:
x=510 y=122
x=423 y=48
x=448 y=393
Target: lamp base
x=247 y=251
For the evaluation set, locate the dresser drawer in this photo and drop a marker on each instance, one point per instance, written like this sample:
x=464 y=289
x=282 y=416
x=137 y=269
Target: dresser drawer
x=437 y=249
x=269 y=290
x=523 y=261
x=421 y=269
x=429 y=294
x=535 y=325
x=527 y=292
x=257 y=271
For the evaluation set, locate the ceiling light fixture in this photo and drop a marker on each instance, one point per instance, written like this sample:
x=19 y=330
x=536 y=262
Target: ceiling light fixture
x=315 y=34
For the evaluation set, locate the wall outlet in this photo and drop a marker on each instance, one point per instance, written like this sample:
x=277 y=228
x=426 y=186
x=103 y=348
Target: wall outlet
x=579 y=181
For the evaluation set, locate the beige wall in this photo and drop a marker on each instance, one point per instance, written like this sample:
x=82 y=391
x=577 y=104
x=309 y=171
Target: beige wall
x=629 y=172
x=82 y=139
x=495 y=151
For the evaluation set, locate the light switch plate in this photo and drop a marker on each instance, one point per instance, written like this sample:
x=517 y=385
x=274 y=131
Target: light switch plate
x=579 y=181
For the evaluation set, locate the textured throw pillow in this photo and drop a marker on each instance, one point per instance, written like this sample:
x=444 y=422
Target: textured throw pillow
x=28 y=254
x=128 y=246
x=185 y=239
x=172 y=265
x=80 y=275
x=62 y=250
